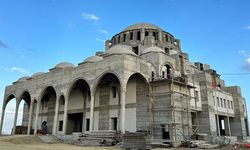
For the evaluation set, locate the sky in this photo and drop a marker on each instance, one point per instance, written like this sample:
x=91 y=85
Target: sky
x=37 y=35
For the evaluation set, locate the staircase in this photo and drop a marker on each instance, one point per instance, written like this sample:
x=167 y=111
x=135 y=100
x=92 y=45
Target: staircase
x=94 y=138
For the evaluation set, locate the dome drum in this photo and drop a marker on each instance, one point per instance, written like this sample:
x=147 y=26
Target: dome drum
x=144 y=34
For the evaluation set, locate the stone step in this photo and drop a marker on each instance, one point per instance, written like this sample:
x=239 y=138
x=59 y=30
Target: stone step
x=103 y=134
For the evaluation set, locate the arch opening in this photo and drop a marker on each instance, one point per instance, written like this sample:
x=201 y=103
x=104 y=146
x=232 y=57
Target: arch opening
x=9 y=114
x=78 y=107
x=47 y=110
x=107 y=103
x=23 y=114
x=137 y=116
x=167 y=71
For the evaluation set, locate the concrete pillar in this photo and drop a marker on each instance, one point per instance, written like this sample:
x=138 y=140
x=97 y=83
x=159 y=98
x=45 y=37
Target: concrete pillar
x=218 y=125
x=54 y=130
x=142 y=35
x=15 y=118
x=92 y=105
x=122 y=123
x=228 y=126
x=36 y=119
x=65 y=116
x=84 y=113
x=2 y=119
x=30 y=118
x=160 y=36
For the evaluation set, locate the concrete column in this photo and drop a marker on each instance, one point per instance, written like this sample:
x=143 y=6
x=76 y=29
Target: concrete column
x=30 y=118
x=92 y=105
x=142 y=34
x=2 y=119
x=65 y=116
x=218 y=125
x=160 y=36
x=122 y=121
x=228 y=126
x=36 y=120
x=15 y=118
x=54 y=131
x=84 y=113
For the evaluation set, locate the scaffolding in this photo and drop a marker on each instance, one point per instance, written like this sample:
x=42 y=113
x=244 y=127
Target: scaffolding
x=177 y=92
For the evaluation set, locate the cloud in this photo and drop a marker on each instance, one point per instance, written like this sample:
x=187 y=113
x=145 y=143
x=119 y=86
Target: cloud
x=16 y=69
x=248 y=60
x=90 y=17
x=22 y=56
x=246 y=65
x=3 y=45
x=103 y=31
x=21 y=70
x=70 y=25
x=99 y=40
x=1 y=95
x=247 y=27
x=244 y=53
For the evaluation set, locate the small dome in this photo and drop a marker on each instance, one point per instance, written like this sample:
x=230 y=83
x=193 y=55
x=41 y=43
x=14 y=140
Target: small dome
x=36 y=74
x=64 y=65
x=121 y=49
x=23 y=78
x=93 y=59
x=152 y=49
x=141 y=26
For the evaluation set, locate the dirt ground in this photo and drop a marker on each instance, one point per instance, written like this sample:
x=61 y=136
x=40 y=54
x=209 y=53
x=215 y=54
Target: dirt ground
x=24 y=142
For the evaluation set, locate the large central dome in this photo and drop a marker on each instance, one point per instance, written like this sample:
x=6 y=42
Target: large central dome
x=140 y=26
x=140 y=36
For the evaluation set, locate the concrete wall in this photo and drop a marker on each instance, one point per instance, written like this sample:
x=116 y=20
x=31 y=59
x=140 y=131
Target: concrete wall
x=142 y=106
x=130 y=115
x=104 y=100
x=25 y=114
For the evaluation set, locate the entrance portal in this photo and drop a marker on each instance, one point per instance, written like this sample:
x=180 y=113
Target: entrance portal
x=75 y=122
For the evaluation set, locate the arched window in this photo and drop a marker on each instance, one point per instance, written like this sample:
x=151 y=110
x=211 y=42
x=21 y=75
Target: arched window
x=153 y=74
x=155 y=35
x=167 y=50
x=167 y=71
x=131 y=35
x=146 y=33
x=166 y=37
x=124 y=37
x=118 y=39
x=138 y=35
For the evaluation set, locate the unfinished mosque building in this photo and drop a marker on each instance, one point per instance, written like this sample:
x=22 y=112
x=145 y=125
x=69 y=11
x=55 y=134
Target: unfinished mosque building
x=143 y=82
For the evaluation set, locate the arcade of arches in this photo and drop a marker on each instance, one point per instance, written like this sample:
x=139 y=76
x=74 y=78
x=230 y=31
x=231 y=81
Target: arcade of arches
x=105 y=108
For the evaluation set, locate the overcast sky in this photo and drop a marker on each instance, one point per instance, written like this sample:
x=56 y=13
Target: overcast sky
x=36 y=35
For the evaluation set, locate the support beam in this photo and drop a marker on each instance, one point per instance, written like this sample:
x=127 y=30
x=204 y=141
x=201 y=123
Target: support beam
x=36 y=120
x=122 y=123
x=30 y=118
x=2 y=119
x=92 y=105
x=65 y=116
x=54 y=131
x=15 y=118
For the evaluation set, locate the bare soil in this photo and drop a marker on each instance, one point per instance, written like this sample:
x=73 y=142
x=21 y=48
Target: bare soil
x=25 y=142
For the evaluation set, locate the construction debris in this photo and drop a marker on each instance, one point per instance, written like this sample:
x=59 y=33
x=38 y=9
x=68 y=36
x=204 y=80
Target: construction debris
x=95 y=138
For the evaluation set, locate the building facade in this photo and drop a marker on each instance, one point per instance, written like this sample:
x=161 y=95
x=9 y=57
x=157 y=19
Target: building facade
x=142 y=82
